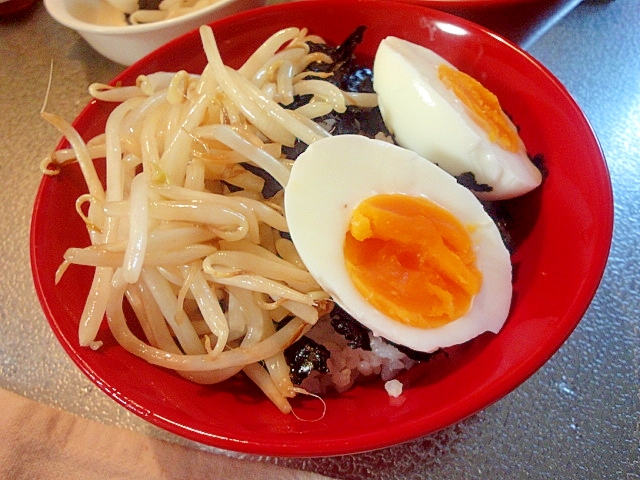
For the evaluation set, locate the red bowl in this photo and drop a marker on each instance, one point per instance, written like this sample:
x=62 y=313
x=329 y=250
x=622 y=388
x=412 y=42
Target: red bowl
x=563 y=232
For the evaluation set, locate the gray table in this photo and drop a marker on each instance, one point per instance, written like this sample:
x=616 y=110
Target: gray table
x=575 y=418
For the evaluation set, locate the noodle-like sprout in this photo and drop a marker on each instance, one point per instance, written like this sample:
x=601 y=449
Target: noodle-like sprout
x=182 y=230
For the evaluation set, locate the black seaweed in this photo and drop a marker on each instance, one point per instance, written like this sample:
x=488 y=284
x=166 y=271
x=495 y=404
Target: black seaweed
x=305 y=356
x=539 y=161
x=292 y=153
x=468 y=180
x=345 y=73
x=502 y=218
x=415 y=354
x=355 y=120
x=270 y=188
x=356 y=334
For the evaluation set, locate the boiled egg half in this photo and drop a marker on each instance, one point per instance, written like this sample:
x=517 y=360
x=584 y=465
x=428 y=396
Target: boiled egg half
x=450 y=118
x=397 y=242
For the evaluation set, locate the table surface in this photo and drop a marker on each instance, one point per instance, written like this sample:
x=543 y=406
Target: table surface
x=577 y=417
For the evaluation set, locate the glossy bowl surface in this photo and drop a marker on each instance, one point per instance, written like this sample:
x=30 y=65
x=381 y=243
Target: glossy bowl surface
x=562 y=232
x=105 y=29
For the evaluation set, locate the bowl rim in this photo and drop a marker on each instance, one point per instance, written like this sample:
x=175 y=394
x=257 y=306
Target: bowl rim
x=57 y=9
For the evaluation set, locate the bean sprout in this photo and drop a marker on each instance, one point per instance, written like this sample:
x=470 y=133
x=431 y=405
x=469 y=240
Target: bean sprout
x=183 y=232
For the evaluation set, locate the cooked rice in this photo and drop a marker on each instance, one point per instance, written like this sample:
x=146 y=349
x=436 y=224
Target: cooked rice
x=348 y=365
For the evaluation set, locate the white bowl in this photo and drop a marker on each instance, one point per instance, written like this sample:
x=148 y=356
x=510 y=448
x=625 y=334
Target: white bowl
x=106 y=30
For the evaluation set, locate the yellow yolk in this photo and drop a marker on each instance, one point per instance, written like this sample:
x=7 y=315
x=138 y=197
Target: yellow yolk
x=483 y=105
x=411 y=259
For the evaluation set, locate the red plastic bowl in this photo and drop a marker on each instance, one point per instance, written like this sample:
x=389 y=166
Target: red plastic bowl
x=563 y=232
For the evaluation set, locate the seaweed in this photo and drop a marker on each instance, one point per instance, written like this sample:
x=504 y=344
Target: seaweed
x=355 y=120
x=305 y=356
x=539 y=161
x=292 y=153
x=346 y=74
x=501 y=217
x=415 y=355
x=468 y=180
x=356 y=334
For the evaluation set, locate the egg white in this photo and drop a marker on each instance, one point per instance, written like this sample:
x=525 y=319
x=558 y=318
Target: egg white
x=329 y=181
x=427 y=117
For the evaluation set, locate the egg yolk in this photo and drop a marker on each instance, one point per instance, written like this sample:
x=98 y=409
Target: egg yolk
x=411 y=259
x=483 y=105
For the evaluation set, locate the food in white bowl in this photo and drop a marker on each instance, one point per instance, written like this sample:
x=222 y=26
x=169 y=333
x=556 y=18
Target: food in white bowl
x=141 y=11
x=107 y=30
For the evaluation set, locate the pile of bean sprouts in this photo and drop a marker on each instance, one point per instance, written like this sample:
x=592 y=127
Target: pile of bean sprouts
x=203 y=265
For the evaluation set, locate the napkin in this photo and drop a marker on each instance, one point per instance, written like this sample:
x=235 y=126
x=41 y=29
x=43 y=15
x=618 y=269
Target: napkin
x=38 y=441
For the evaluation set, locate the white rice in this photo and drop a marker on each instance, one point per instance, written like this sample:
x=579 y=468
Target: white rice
x=393 y=388
x=348 y=365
